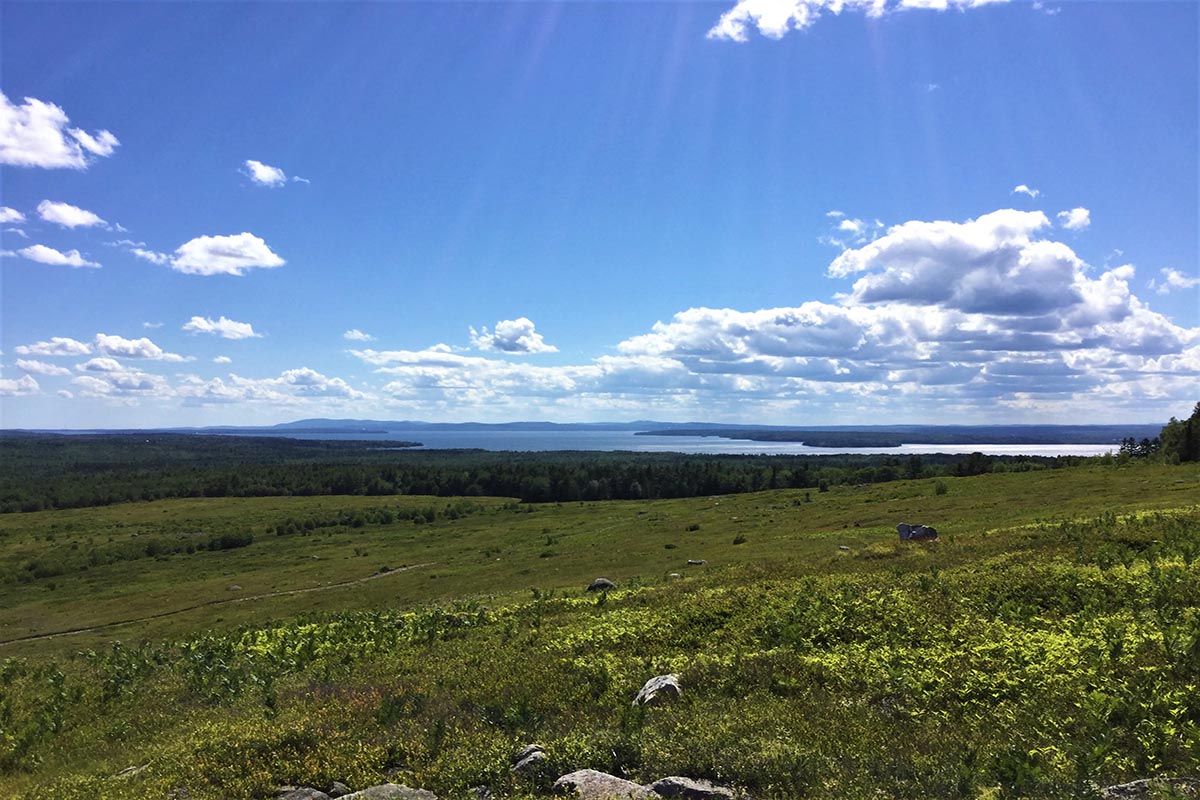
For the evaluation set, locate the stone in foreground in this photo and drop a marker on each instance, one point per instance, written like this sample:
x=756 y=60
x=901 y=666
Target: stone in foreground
x=391 y=791
x=690 y=789
x=589 y=784
x=601 y=585
x=301 y=793
x=1148 y=788
x=657 y=690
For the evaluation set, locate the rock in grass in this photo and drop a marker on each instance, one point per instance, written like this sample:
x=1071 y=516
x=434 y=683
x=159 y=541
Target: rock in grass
x=588 y=784
x=300 y=793
x=391 y=791
x=526 y=751
x=531 y=763
x=601 y=585
x=696 y=562
x=690 y=789
x=658 y=689
x=338 y=789
x=1152 y=788
x=843 y=547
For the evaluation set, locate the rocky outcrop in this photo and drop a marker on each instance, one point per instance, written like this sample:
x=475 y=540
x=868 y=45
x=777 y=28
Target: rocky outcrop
x=1148 y=788
x=601 y=585
x=301 y=793
x=658 y=690
x=391 y=791
x=589 y=784
x=690 y=789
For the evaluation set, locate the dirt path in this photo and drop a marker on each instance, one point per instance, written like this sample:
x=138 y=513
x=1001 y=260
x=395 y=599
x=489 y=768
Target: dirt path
x=210 y=604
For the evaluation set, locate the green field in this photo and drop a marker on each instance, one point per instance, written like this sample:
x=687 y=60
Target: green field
x=1047 y=644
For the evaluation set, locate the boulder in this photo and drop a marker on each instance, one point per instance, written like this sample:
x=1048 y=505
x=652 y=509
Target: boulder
x=391 y=791
x=526 y=751
x=1152 y=788
x=338 y=789
x=480 y=792
x=690 y=789
x=300 y=793
x=601 y=585
x=674 y=575
x=657 y=690
x=696 y=562
x=531 y=763
x=588 y=784
x=844 y=547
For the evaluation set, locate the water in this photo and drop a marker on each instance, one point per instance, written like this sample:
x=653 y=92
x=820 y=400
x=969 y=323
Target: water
x=627 y=440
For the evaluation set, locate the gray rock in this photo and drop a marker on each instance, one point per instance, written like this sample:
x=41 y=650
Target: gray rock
x=300 y=793
x=601 y=585
x=480 y=792
x=657 y=690
x=1152 y=788
x=588 y=784
x=674 y=575
x=844 y=547
x=391 y=791
x=531 y=763
x=690 y=789
x=697 y=562
x=526 y=751
x=129 y=772
x=338 y=789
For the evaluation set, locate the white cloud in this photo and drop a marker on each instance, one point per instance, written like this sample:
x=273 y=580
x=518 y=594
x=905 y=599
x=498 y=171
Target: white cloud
x=162 y=259
x=1025 y=190
x=41 y=367
x=64 y=393
x=1173 y=279
x=1076 y=219
x=355 y=335
x=222 y=360
x=67 y=215
x=35 y=134
x=57 y=346
x=48 y=255
x=264 y=174
x=152 y=325
x=25 y=385
x=221 y=255
x=512 y=336
x=129 y=384
x=774 y=18
x=294 y=387
x=10 y=215
x=17 y=232
x=298 y=179
x=100 y=365
x=223 y=327
x=120 y=347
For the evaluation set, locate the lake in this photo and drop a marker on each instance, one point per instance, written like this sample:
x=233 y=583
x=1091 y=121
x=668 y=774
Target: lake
x=627 y=440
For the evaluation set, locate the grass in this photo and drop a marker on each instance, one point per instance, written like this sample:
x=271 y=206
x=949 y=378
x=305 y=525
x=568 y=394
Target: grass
x=1049 y=642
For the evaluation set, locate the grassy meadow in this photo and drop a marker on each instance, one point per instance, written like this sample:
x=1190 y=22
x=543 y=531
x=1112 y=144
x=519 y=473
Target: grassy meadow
x=1047 y=644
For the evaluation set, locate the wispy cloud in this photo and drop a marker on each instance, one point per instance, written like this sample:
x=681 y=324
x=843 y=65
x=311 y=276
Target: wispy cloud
x=1025 y=190
x=48 y=255
x=223 y=327
x=774 y=18
x=1075 y=219
x=355 y=335
x=1173 y=279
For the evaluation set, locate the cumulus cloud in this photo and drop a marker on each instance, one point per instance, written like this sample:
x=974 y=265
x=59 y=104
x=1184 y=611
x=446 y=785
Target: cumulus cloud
x=218 y=255
x=48 y=255
x=223 y=327
x=25 y=385
x=1075 y=219
x=41 y=367
x=100 y=364
x=1025 y=190
x=10 y=215
x=1173 y=279
x=774 y=18
x=511 y=336
x=35 y=134
x=980 y=318
x=264 y=174
x=222 y=360
x=294 y=387
x=355 y=335
x=122 y=383
x=67 y=215
x=56 y=346
x=120 y=347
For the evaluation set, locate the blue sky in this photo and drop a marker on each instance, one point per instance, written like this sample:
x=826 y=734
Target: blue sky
x=795 y=212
